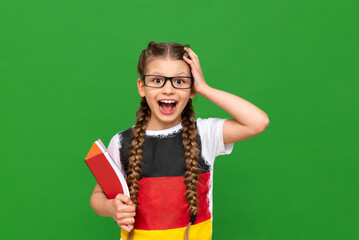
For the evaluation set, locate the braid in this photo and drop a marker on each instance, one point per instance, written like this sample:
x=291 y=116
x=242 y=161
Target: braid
x=138 y=137
x=189 y=134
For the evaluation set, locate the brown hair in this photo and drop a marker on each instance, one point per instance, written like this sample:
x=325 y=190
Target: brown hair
x=189 y=132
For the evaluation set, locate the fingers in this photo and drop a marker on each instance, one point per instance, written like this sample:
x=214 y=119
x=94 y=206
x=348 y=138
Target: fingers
x=193 y=56
x=127 y=222
x=124 y=218
x=190 y=62
x=125 y=204
x=125 y=211
x=124 y=199
x=122 y=205
x=190 y=51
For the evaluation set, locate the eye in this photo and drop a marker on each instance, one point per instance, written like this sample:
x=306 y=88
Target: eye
x=179 y=81
x=157 y=80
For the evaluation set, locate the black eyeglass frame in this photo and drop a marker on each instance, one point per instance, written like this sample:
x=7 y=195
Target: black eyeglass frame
x=168 y=78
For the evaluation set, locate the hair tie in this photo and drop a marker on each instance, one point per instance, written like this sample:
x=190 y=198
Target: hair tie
x=193 y=218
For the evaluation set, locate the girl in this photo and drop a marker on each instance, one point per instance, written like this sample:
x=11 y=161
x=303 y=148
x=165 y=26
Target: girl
x=167 y=156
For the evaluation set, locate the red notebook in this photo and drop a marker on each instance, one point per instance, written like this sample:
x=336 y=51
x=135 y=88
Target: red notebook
x=106 y=172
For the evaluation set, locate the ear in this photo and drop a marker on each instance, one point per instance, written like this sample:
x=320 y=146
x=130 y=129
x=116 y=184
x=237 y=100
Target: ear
x=193 y=93
x=141 y=87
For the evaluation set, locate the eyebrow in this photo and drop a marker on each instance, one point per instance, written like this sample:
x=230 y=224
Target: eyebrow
x=161 y=73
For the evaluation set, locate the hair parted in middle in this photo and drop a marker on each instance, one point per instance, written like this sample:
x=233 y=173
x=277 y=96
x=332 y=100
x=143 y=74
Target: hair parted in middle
x=173 y=51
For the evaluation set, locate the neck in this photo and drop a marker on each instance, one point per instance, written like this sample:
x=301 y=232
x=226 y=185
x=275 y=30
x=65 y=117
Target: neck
x=154 y=125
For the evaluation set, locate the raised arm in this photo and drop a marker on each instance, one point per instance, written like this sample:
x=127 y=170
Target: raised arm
x=248 y=120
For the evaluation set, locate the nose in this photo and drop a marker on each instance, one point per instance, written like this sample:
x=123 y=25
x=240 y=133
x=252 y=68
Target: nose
x=168 y=88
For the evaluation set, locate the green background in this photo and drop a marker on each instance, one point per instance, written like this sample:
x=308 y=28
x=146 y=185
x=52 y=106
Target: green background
x=68 y=76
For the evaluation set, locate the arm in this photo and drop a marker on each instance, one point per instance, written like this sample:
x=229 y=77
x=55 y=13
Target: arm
x=121 y=209
x=99 y=203
x=248 y=120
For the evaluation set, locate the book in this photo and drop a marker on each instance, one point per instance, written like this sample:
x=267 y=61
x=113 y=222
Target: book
x=106 y=172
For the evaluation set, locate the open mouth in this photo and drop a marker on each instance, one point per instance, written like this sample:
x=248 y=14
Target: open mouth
x=167 y=106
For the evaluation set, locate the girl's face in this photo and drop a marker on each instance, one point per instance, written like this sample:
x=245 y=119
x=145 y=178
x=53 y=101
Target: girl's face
x=165 y=115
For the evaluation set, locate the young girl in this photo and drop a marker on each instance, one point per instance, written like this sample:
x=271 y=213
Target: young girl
x=167 y=156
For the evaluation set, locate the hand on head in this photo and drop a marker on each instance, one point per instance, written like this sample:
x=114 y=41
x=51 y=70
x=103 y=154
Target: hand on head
x=199 y=82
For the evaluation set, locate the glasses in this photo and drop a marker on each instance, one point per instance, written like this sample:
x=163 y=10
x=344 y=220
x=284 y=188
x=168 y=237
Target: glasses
x=158 y=81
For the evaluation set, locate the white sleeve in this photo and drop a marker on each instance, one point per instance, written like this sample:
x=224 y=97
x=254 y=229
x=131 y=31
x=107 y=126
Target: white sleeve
x=211 y=134
x=114 y=151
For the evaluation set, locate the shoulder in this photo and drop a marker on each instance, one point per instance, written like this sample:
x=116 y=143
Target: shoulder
x=119 y=137
x=211 y=133
x=209 y=124
x=125 y=134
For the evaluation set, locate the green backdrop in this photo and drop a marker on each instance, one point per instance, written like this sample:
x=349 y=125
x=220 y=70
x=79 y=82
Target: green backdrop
x=68 y=76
